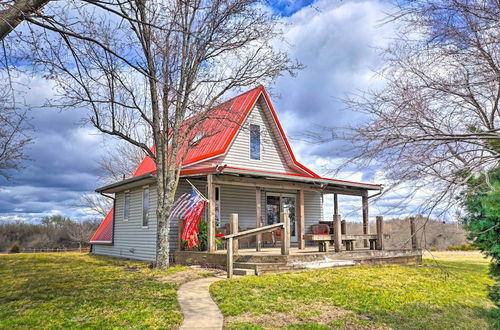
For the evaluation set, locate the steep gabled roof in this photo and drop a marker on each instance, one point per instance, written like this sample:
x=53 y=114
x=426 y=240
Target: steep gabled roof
x=220 y=129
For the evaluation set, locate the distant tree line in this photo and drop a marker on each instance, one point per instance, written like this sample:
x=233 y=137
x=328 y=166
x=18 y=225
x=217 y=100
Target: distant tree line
x=52 y=232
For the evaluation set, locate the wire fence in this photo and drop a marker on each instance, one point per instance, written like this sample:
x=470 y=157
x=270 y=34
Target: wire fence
x=85 y=249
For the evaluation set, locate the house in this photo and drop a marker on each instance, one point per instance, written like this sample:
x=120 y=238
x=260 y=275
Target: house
x=246 y=167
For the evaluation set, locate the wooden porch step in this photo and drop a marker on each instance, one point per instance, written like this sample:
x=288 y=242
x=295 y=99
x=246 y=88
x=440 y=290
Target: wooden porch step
x=263 y=267
x=243 y=271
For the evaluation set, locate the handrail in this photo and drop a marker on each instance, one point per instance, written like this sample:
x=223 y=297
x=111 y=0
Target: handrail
x=255 y=231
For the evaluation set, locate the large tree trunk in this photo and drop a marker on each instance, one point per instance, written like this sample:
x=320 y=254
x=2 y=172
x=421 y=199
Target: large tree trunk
x=12 y=17
x=166 y=195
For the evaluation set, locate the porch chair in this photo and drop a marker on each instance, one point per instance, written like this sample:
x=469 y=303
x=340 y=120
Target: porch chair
x=320 y=229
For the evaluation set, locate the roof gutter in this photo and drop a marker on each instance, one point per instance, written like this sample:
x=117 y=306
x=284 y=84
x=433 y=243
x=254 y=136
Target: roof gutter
x=118 y=184
x=305 y=179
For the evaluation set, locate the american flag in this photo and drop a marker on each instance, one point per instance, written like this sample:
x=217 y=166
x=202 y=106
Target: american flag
x=189 y=207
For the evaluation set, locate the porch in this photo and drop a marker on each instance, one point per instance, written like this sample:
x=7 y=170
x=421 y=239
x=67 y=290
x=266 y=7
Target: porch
x=261 y=198
x=285 y=211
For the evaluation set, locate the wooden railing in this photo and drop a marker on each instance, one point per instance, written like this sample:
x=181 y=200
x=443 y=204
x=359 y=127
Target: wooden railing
x=232 y=239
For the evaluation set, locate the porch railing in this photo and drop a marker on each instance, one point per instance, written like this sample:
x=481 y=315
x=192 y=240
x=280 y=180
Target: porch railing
x=232 y=239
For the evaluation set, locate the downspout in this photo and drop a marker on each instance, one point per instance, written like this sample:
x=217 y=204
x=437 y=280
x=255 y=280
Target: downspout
x=374 y=195
x=114 y=214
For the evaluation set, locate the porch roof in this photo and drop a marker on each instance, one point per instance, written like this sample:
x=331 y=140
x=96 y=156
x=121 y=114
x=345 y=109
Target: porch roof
x=324 y=183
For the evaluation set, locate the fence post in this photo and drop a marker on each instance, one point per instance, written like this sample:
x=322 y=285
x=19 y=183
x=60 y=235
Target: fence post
x=233 y=229
x=285 y=234
x=229 y=258
x=337 y=232
x=413 y=234
x=380 y=232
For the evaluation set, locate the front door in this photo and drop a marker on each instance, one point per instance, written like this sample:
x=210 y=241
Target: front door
x=277 y=203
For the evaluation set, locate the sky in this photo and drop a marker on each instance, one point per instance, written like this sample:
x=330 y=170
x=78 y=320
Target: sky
x=337 y=42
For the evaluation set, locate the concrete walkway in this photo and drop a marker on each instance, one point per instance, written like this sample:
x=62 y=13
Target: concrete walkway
x=200 y=311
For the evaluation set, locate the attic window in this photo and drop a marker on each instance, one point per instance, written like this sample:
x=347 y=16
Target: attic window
x=254 y=142
x=197 y=139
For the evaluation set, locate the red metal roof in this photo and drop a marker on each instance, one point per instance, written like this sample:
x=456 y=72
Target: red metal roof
x=104 y=233
x=220 y=128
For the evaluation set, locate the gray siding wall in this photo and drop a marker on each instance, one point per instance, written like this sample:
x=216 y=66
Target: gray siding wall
x=273 y=157
x=313 y=209
x=131 y=240
x=241 y=200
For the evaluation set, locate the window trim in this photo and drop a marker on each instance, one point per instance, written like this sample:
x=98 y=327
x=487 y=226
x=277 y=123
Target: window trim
x=218 y=211
x=126 y=193
x=250 y=142
x=142 y=213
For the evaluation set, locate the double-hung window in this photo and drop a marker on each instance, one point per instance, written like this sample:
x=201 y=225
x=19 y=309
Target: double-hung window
x=145 y=207
x=126 y=206
x=217 y=207
x=254 y=142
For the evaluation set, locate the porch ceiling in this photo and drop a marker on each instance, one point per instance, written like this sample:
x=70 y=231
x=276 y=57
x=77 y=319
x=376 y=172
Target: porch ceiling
x=286 y=181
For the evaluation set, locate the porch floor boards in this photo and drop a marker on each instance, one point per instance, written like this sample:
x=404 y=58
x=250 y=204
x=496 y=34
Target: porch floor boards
x=270 y=260
x=276 y=251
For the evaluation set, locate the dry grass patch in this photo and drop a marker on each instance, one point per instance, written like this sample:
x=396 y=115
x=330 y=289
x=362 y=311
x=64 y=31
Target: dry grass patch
x=189 y=274
x=303 y=315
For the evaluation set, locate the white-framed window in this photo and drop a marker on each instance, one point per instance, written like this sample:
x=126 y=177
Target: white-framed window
x=255 y=142
x=126 y=206
x=145 y=206
x=217 y=207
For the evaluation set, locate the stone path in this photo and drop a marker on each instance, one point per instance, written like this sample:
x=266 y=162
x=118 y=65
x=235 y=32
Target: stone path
x=200 y=311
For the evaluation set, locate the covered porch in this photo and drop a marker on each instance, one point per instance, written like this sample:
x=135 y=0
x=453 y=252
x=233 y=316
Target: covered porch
x=256 y=199
x=278 y=224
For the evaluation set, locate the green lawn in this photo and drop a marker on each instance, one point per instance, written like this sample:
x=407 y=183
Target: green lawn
x=451 y=296
x=69 y=290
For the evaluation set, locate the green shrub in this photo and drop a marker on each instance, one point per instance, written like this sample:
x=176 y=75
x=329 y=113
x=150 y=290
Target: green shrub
x=434 y=249
x=15 y=248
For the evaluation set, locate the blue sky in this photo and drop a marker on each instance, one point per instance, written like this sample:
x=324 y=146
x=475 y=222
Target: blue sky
x=287 y=8
x=335 y=40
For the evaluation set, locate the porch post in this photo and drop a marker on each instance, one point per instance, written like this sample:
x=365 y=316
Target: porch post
x=380 y=233
x=233 y=229
x=285 y=234
x=414 y=242
x=211 y=214
x=300 y=219
x=229 y=258
x=337 y=236
x=335 y=204
x=366 y=228
x=258 y=218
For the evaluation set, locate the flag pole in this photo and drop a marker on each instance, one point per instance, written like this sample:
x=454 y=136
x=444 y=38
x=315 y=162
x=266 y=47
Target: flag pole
x=197 y=191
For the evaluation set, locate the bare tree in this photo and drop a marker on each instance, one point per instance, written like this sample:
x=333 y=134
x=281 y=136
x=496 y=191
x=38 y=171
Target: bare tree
x=13 y=12
x=162 y=62
x=436 y=121
x=80 y=232
x=14 y=123
x=117 y=163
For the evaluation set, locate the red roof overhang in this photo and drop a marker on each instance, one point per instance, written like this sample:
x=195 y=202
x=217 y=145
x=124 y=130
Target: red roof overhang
x=104 y=233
